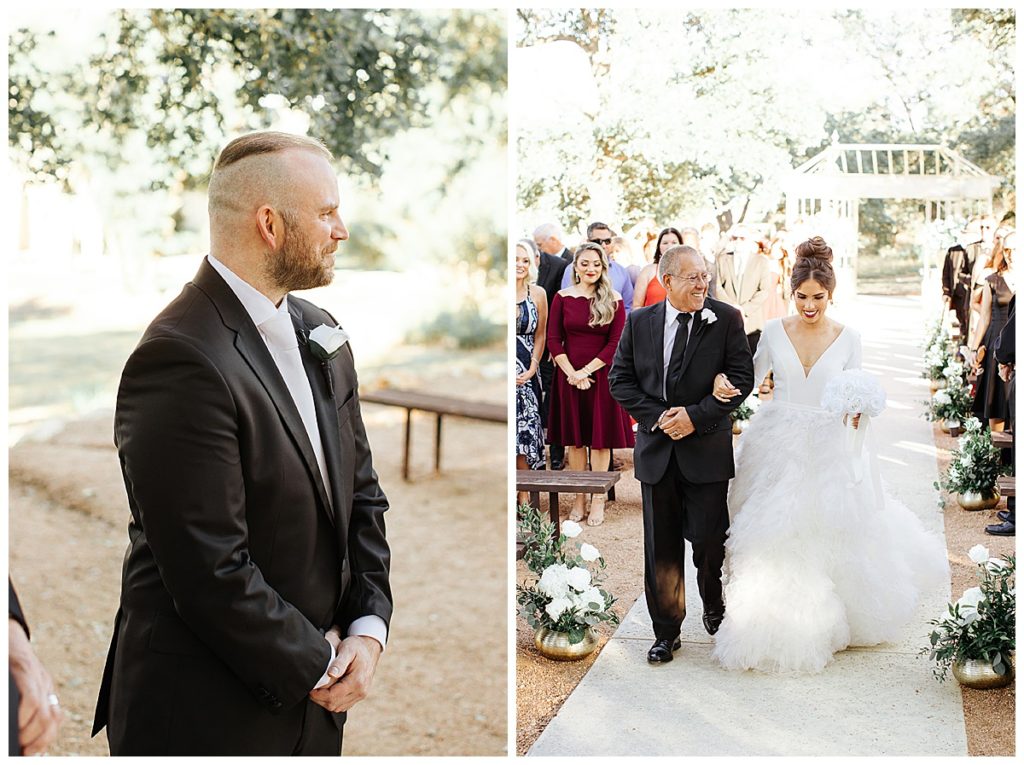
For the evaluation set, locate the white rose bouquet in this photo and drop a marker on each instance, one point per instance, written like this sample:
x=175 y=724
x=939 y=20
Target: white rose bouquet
x=853 y=391
x=563 y=594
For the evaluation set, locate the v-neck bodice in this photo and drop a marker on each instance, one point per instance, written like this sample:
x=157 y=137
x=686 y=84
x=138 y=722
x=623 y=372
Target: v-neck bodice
x=794 y=384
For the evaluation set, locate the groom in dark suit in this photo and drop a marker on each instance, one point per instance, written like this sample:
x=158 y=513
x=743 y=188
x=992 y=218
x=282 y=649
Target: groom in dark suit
x=255 y=599
x=663 y=375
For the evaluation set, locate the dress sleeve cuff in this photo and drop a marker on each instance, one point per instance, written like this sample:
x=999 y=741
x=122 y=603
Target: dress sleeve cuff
x=370 y=626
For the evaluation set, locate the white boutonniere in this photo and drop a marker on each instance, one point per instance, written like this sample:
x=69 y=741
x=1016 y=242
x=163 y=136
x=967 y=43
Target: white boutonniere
x=326 y=342
x=708 y=316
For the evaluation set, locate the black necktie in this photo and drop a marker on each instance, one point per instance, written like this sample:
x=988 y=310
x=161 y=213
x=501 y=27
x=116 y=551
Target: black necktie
x=675 y=363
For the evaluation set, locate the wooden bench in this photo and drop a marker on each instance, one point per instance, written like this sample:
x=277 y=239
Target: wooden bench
x=1007 y=485
x=438 y=405
x=1002 y=440
x=554 y=482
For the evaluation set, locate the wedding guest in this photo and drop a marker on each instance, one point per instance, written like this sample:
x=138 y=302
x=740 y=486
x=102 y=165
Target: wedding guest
x=620 y=252
x=777 y=306
x=551 y=266
x=600 y=234
x=991 y=392
x=550 y=239
x=531 y=331
x=1006 y=355
x=956 y=287
x=649 y=289
x=744 y=281
x=583 y=330
x=33 y=711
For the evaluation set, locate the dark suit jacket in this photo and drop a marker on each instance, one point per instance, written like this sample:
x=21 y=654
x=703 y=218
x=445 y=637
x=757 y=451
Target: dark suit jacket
x=237 y=562
x=956 y=273
x=549 y=275
x=635 y=380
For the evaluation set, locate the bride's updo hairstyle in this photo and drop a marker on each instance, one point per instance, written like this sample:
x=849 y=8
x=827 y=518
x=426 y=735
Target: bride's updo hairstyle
x=813 y=261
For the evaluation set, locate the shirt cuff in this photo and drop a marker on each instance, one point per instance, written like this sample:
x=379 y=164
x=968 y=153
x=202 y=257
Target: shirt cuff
x=325 y=679
x=370 y=626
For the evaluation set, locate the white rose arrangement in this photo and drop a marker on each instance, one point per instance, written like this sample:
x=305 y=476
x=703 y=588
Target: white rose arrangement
x=975 y=464
x=564 y=594
x=980 y=625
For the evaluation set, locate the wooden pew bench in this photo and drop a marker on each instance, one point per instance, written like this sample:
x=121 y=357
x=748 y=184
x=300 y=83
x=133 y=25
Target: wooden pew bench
x=438 y=405
x=555 y=482
x=1007 y=485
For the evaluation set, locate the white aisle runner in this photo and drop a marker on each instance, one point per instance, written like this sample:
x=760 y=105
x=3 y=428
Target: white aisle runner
x=869 y=701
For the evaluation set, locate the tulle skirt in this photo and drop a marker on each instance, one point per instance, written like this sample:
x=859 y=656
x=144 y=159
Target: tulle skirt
x=818 y=556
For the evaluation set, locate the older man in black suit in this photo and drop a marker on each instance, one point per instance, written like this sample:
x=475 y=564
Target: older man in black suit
x=663 y=374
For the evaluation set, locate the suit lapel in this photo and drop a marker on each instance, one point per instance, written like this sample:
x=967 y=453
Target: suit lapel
x=326 y=411
x=657 y=328
x=254 y=351
x=730 y=275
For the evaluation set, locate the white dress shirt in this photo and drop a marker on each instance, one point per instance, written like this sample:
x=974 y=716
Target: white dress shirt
x=261 y=310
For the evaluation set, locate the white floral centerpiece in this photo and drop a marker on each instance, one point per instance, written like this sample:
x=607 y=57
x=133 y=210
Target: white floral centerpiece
x=937 y=354
x=952 y=403
x=563 y=596
x=980 y=626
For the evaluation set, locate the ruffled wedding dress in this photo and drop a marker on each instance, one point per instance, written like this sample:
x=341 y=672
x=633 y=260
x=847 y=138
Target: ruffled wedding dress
x=818 y=556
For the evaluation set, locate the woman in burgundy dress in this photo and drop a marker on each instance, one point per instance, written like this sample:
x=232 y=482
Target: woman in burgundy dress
x=584 y=327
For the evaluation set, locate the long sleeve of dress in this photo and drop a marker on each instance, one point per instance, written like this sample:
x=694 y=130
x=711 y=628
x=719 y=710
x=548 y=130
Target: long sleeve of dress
x=618 y=322
x=856 y=357
x=556 y=346
x=762 y=361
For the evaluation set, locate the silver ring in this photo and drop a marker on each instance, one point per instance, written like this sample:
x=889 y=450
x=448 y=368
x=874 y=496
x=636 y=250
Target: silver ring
x=53 y=700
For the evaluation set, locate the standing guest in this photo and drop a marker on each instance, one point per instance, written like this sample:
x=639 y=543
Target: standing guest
x=620 y=252
x=551 y=266
x=777 y=306
x=990 y=393
x=33 y=711
x=744 y=281
x=1006 y=355
x=600 y=234
x=550 y=239
x=531 y=331
x=956 y=287
x=584 y=329
x=649 y=289
x=982 y=252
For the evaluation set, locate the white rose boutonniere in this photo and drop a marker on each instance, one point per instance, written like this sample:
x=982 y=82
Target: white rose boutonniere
x=708 y=316
x=325 y=343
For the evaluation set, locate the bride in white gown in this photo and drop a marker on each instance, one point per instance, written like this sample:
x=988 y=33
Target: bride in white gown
x=818 y=556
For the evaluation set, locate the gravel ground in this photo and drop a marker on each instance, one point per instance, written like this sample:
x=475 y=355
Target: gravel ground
x=542 y=686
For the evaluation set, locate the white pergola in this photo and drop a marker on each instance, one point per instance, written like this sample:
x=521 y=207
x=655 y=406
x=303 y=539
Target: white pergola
x=824 y=192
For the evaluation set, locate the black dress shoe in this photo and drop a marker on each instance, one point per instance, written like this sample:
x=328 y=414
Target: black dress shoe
x=1004 y=529
x=712 y=622
x=1003 y=515
x=556 y=465
x=662 y=649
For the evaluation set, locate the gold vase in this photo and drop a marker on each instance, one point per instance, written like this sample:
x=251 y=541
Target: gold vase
x=976 y=500
x=555 y=645
x=738 y=426
x=936 y=384
x=978 y=673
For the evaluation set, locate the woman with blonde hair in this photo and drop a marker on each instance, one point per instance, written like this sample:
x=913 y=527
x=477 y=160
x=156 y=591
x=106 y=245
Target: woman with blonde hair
x=531 y=331
x=583 y=331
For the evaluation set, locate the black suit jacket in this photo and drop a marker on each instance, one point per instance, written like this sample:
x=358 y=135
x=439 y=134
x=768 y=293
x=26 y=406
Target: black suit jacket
x=13 y=695
x=956 y=273
x=237 y=562
x=549 y=274
x=635 y=380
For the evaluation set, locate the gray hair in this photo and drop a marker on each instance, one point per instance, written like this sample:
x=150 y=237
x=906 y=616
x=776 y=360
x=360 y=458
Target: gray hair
x=669 y=263
x=547 y=230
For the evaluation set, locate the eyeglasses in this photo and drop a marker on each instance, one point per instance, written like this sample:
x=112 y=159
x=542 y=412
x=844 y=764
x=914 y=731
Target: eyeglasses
x=604 y=242
x=695 y=278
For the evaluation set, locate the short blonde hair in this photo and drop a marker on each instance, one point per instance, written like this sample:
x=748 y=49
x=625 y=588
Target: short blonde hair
x=267 y=142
